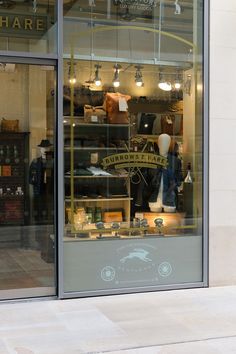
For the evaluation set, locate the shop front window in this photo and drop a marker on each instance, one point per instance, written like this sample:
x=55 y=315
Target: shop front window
x=132 y=144
x=28 y=26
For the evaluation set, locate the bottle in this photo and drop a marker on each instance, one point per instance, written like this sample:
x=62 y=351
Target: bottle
x=16 y=154
x=7 y=160
x=89 y=215
x=1 y=153
x=98 y=215
x=188 y=178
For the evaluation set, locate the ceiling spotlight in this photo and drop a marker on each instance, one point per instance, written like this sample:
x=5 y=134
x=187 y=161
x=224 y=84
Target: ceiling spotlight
x=177 y=7
x=71 y=74
x=97 y=79
x=163 y=84
x=91 y=3
x=116 y=80
x=139 y=76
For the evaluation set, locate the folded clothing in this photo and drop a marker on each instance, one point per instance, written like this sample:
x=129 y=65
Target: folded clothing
x=97 y=171
x=80 y=172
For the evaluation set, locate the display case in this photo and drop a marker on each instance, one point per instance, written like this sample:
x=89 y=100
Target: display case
x=112 y=171
x=14 y=193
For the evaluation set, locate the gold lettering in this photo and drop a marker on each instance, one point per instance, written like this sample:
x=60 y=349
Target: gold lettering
x=16 y=23
x=28 y=24
x=4 y=22
x=39 y=25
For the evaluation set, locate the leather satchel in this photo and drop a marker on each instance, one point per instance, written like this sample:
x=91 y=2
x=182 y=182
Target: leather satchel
x=8 y=125
x=94 y=114
x=172 y=124
x=112 y=105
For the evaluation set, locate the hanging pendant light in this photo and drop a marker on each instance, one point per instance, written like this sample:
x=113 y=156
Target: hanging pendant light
x=163 y=84
x=72 y=75
x=116 y=79
x=139 y=76
x=97 y=79
x=177 y=83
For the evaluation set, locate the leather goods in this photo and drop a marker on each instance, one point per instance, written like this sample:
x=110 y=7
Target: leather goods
x=113 y=216
x=82 y=96
x=8 y=125
x=79 y=217
x=114 y=115
x=146 y=123
x=172 y=124
x=93 y=114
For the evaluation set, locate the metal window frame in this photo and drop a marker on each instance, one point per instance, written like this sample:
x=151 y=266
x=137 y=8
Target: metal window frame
x=30 y=58
x=57 y=61
x=205 y=243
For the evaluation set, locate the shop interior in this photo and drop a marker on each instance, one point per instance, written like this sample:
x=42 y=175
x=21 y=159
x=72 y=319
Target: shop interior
x=123 y=198
x=132 y=76
x=27 y=179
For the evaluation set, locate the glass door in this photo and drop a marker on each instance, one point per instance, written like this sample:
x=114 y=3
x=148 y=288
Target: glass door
x=27 y=173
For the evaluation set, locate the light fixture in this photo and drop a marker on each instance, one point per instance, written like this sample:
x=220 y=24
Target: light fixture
x=139 y=76
x=91 y=3
x=177 y=83
x=163 y=84
x=71 y=74
x=34 y=6
x=177 y=8
x=97 y=79
x=188 y=85
x=116 y=80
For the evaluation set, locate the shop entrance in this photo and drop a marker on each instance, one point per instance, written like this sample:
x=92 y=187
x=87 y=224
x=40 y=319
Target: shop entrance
x=27 y=173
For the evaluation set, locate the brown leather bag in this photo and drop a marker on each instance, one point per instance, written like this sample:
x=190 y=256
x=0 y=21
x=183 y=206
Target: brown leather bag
x=172 y=124
x=94 y=114
x=8 y=125
x=114 y=115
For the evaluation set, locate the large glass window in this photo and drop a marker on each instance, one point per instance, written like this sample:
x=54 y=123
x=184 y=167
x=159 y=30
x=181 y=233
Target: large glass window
x=28 y=26
x=27 y=234
x=132 y=144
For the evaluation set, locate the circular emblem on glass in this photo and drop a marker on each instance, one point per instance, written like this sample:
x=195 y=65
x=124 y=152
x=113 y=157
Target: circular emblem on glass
x=165 y=269
x=108 y=273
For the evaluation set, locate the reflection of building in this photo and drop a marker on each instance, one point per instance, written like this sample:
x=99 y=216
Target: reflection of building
x=123 y=75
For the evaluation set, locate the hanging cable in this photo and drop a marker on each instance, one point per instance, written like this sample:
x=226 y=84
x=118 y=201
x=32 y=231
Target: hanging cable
x=177 y=7
x=34 y=6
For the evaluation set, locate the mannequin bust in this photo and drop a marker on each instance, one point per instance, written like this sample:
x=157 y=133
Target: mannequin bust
x=39 y=169
x=43 y=153
x=158 y=205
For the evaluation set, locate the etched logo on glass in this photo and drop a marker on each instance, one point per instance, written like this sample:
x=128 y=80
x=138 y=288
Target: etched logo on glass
x=164 y=269
x=108 y=273
x=137 y=253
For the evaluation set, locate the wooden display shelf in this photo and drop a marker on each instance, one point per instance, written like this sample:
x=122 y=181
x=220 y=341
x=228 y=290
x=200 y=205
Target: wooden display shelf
x=68 y=200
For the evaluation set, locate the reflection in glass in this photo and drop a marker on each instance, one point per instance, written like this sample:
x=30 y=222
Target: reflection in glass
x=131 y=140
x=27 y=181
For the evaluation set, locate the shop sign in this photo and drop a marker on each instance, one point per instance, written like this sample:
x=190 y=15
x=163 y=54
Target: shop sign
x=137 y=159
x=145 y=5
x=23 y=25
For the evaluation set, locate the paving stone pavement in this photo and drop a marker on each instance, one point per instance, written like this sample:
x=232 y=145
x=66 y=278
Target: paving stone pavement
x=196 y=321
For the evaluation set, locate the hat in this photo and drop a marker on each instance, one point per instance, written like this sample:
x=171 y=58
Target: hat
x=45 y=143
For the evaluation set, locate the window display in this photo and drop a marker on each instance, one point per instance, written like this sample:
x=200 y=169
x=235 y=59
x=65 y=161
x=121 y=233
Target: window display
x=132 y=145
x=125 y=159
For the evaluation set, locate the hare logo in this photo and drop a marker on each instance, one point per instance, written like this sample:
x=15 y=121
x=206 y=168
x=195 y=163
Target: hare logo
x=137 y=253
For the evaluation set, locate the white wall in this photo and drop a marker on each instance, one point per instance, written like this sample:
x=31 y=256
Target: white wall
x=222 y=142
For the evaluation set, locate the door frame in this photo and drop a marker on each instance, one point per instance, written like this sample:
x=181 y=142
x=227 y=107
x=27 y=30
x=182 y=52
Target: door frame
x=27 y=293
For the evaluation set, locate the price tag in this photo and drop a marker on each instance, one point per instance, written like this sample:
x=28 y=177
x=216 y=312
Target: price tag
x=122 y=104
x=94 y=119
x=94 y=158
